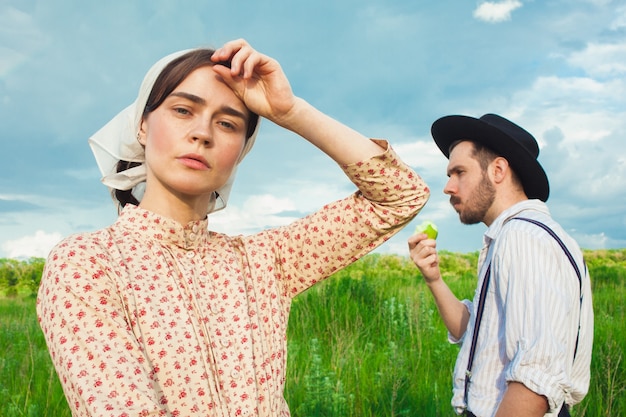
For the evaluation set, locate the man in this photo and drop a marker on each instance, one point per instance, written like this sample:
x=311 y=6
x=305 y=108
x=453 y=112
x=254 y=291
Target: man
x=528 y=353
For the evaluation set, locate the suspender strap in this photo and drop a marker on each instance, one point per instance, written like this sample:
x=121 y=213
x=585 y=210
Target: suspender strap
x=560 y=242
x=479 y=316
x=571 y=260
x=483 y=295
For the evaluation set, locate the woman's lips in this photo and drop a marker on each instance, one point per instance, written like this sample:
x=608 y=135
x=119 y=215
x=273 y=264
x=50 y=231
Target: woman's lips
x=194 y=161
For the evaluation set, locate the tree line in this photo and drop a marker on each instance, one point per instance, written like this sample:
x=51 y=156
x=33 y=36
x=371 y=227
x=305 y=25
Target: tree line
x=20 y=276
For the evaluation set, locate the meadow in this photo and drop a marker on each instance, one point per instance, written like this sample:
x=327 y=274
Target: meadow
x=367 y=342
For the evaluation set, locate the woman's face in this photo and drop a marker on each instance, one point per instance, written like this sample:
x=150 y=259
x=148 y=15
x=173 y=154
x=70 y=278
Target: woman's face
x=193 y=140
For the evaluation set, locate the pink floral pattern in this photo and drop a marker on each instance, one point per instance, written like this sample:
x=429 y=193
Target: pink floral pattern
x=149 y=317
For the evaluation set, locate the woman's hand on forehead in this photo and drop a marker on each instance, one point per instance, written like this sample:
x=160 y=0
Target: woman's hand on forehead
x=256 y=79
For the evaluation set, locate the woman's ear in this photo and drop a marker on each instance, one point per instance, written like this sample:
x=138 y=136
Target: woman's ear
x=141 y=135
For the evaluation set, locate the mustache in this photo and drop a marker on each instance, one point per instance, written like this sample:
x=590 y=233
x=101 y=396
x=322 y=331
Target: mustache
x=454 y=200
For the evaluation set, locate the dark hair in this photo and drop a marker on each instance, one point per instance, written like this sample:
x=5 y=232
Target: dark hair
x=125 y=196
x=170 y=77
x=485 y=155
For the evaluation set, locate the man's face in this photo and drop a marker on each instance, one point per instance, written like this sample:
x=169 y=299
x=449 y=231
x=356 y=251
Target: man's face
x=469 y=187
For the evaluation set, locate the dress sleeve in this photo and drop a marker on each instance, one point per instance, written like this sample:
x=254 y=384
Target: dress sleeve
x=540 y=300
x=99 y=363
x=390 y=194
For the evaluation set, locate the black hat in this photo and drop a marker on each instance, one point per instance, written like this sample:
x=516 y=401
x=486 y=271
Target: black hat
x=504 y=138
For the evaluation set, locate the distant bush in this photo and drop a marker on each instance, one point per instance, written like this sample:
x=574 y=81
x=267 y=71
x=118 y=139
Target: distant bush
x=17 y=277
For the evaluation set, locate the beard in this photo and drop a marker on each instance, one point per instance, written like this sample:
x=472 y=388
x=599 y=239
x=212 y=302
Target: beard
x=480 y=201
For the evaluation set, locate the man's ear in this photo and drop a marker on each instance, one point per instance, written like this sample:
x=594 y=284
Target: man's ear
x=500 y=169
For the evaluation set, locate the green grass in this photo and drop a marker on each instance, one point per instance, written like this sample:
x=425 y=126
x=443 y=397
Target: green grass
x=607 y=394
x=28 y=383
x=367 y=342
x=373 y=340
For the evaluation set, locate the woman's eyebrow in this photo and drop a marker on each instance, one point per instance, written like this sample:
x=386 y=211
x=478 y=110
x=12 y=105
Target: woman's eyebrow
x=190 y=97
x=234 y=112
x=199 y=100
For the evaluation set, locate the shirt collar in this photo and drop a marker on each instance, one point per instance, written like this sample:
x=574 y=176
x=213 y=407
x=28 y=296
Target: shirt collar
x=151 y=226
x=494 y=230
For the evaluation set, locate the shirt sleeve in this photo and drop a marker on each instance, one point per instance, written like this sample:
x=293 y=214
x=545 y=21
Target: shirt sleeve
x=99 y=363
x=540 y=302
x=390 y=194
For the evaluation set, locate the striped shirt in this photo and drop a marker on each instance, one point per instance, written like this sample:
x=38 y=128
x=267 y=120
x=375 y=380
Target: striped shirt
x=531 y=316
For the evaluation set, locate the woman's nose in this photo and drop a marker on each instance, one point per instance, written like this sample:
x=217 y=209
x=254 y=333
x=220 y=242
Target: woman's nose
x=202 y=133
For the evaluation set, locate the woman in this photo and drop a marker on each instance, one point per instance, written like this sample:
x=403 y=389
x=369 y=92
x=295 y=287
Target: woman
x=155 y=314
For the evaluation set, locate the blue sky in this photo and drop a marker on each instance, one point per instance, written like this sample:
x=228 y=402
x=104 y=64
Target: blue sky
x=387 y=68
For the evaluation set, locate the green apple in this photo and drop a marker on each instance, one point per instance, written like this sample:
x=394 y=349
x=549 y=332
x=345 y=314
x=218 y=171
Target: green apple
x=427 y=227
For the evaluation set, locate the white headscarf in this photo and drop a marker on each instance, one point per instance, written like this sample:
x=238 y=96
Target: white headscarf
x=117 y=140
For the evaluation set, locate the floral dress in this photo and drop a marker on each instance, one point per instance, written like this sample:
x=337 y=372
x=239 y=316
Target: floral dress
x=149 y=317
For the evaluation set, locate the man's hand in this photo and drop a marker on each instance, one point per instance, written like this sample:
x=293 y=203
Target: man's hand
x=423 y=252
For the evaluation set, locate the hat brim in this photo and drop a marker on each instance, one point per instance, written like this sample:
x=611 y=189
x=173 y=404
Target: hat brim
x=450 y=129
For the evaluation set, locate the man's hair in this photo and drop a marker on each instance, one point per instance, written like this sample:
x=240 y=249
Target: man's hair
x=480 y=152
x=485 y=155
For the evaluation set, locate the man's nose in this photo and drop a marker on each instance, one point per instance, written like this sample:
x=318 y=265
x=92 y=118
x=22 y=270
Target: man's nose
x=449 y=188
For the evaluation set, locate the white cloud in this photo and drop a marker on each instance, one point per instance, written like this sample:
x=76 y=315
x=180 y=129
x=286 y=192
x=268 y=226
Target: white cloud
x=37 y=245
x=262 y=211
x=424 y=156
x=619 y=22
x=494 y=12
x=583 y=109
x=268 y=204
x=580 y=122
x=601 y=60
x=26 y=231
x=258 y=212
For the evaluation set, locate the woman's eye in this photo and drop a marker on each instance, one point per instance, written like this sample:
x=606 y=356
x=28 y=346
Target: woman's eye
x=181 y=110
x=227 y=125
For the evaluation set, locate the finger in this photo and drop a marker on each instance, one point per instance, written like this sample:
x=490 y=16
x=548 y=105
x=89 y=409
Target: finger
x=252 y=64
x=427 y=251
x=242 y=62
x=428 y=261
x=416 y=239
x=229 y=50
x=430 y=243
